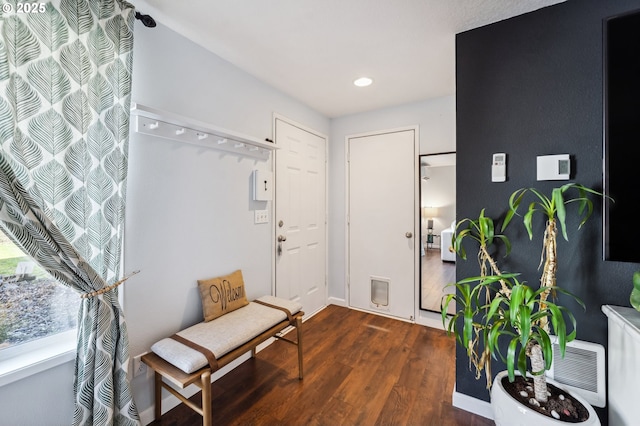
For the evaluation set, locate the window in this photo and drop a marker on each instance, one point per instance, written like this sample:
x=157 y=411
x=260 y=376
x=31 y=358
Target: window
x=33 y=305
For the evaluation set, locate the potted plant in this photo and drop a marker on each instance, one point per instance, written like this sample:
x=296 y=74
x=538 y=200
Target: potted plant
x=634 y=297
x=499 y=315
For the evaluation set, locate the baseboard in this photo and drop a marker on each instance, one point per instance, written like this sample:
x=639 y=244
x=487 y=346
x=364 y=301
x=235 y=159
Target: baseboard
x=430 y=319
x=472 y=405
x=337 y=302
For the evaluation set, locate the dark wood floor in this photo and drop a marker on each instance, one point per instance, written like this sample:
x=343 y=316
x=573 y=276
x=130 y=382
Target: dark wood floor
x=360 y=369
x=436 y=275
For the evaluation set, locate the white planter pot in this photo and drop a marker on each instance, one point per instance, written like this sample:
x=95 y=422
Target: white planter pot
x=507 y=411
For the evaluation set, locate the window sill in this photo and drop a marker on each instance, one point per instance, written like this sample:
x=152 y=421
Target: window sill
x=46 y=355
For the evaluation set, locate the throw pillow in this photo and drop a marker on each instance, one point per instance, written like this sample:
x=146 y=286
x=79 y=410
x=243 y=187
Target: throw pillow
x=222 y=295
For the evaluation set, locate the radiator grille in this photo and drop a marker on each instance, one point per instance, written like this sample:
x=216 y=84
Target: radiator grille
x=581 y=370
x=578 y=368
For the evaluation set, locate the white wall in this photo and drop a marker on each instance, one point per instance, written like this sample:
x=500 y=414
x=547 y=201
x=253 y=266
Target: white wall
x=190 y=213
x=436 y=120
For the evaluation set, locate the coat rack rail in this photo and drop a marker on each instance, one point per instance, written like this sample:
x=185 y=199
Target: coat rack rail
x=154 y=122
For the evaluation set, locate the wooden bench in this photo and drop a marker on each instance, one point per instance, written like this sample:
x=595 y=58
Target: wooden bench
x=260 y=320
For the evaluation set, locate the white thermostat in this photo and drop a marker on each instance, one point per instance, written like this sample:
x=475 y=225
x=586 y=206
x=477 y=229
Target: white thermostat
x=554 y=167
x=262 y=185
x=499 y=167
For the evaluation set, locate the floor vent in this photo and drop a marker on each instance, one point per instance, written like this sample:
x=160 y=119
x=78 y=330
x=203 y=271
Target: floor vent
x=582 y=370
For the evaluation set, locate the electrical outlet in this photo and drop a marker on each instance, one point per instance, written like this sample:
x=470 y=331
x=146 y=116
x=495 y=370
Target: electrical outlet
x=139 y=367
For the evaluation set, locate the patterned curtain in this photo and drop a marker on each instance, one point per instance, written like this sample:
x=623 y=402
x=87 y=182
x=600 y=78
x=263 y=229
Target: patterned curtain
x=65 y=83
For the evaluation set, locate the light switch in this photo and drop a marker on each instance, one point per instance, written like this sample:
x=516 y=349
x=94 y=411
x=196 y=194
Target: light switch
x=261 y=216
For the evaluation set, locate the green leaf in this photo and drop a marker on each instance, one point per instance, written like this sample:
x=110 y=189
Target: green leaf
x=524 y=324
x=49 y=26
x=49 y=79
x=51 y=131
x=527 y=220
x=517 y=296
x=99 y=231
x=561 y=212
x=75 y=109
x=99 y=141
x=25 y=150
x=74 y=59
x=63 y=223
x=100 y=48
x=120 y=34
x=78 y=161
x=511 y=358
x=444 y=306
x=102 y=9
x=6 y=121
x=22 y=45
x=522 y=362
x=22 y=98
x=4 y=62
x=21 y=173
x=99 y=93
x=99 y=186
x=547 y=348
x=82 y=246
x=77 y=14
x=78 y=207
x=119 y=77
x=117 y=121
x=53 y=182
x=115 y=164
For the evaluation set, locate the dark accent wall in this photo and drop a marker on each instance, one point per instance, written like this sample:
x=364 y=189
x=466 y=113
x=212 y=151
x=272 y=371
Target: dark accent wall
x=528 y=86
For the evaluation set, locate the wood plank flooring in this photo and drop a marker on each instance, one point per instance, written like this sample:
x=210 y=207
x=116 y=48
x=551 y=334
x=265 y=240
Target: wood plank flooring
x=360 y=369
x=436 y=274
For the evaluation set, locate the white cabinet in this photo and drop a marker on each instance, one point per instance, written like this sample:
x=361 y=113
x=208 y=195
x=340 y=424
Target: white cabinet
x=624 y=365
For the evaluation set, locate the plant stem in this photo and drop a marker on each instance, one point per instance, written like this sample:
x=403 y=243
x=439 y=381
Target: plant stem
x=484 y=256
x=549 y=255
x=537 y=366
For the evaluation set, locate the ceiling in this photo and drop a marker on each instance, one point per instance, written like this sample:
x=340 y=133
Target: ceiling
x=313 y=50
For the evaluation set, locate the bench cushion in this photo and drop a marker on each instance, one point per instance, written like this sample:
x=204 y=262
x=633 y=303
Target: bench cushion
x=223 y=334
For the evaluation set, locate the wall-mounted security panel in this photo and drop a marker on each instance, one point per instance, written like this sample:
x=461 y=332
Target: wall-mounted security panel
x=499 y=167
x=554 y=167
x=262 y=185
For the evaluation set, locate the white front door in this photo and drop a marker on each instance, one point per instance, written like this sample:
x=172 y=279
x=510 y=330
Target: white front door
x=382 y=222
x=300 y=219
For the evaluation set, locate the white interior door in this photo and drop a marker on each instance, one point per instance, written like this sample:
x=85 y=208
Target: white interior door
x=382 y=226
x=300 y=219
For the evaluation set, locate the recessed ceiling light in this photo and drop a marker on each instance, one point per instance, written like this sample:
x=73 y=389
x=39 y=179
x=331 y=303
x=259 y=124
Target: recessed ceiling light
x=363 y=82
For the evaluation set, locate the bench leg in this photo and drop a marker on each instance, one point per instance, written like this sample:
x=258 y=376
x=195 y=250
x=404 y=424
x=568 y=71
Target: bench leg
x=206 y=399
x=299 y=330
x=158 y=395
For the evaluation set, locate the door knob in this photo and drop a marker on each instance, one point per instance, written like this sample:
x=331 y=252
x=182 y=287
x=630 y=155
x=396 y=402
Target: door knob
x=281 y=238
x=408 y=235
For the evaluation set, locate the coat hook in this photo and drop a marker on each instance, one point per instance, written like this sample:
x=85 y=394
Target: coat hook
x=202 y=136
x=221 y=141
x=180 y=131
x=239 y=145
x=154 y=126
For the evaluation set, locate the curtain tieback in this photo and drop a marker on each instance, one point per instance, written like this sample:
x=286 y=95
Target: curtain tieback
x=109 y=288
